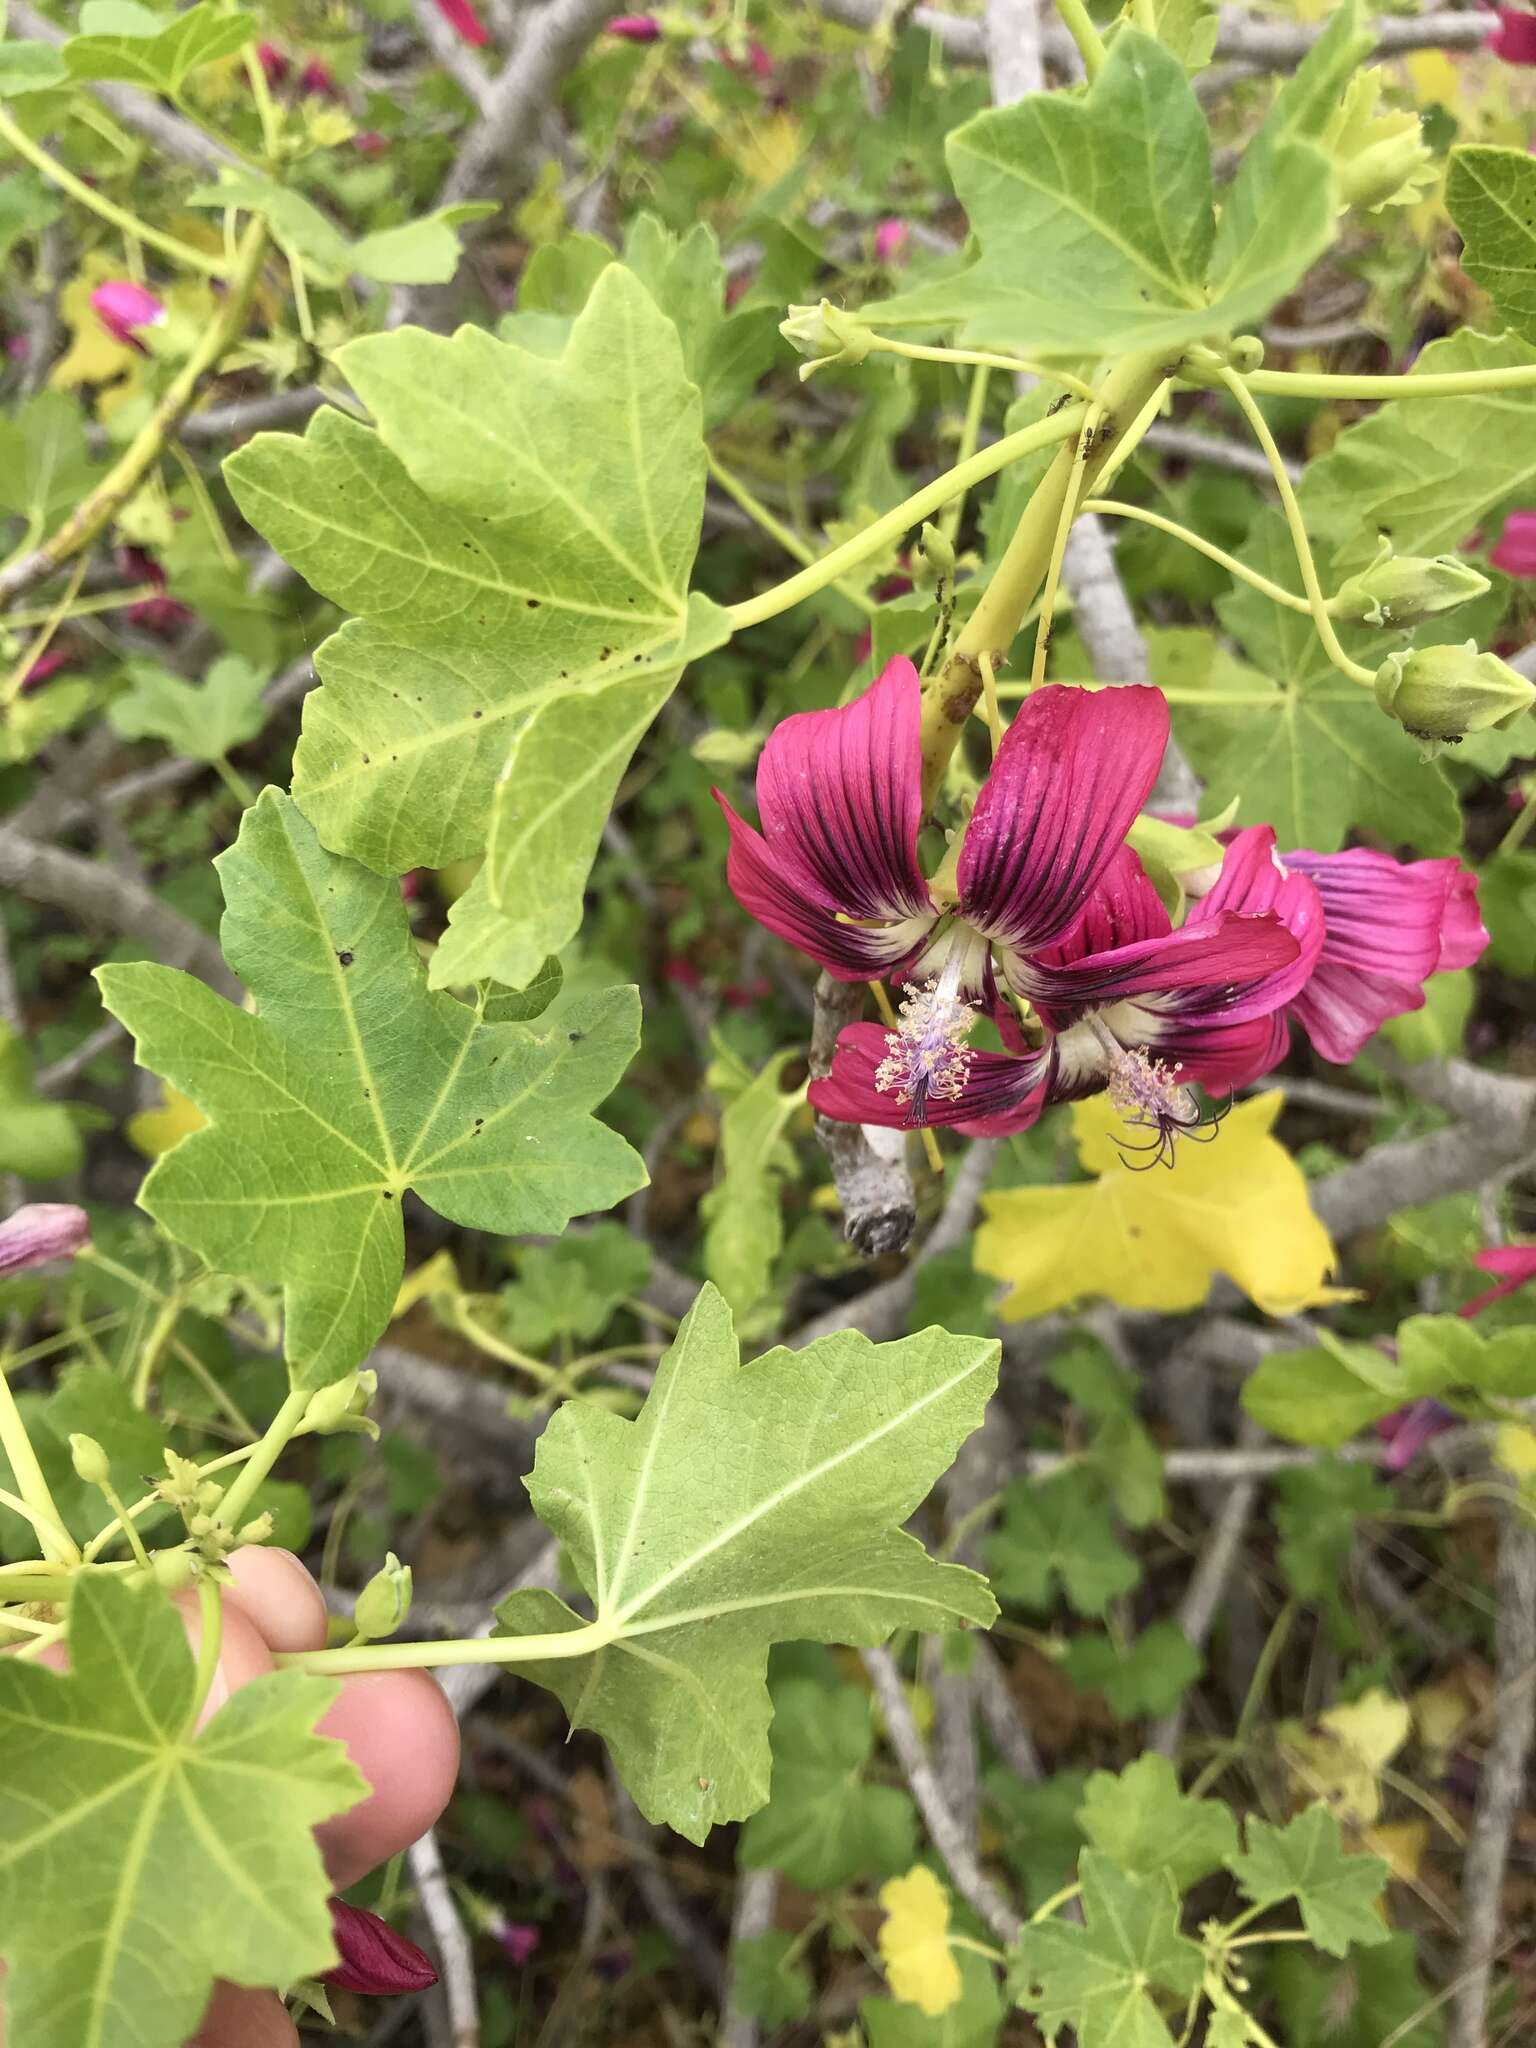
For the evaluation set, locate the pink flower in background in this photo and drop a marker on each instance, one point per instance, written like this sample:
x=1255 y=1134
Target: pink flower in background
x=46 y=665
x=369 y=142
x=891 y=238
x=123 y=308
x=1515 y=37
x=41 y=1231
x=518 y=1940
x=635 y=28
x=1516 y=551
x=374 y=1958
x=274 y=65
x=318 y=80
x=759 y=62
x=1515 y=1265
x=463 y=20
x=1407 y=1430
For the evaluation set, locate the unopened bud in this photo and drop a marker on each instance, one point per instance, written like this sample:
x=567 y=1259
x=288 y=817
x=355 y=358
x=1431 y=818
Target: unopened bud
x=826 y=334
x=200 y=1526
x=937 y=551
x=257 y=1531
x=90 y=1460
x=1246 y=354
x=384 y=1602
x=1404 y=590
x=1440 y=694
x=330 y=1405
x=175 y=1570
x=209 y=1494
x=1381 y=159
x=39 y=1232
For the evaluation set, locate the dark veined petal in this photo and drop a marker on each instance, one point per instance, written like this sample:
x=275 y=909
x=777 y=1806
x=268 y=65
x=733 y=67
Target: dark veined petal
x=1222 y=967
x=1222 y=1057
x=1123 y=909
x=997 y=1085
x=840 y=796
x=374 y=1958
x=781 y=896
x=1073 y=770
x=1254 y=880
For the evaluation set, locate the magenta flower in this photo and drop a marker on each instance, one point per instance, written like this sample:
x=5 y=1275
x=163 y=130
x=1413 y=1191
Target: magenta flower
x=1516 y=551
x=1043 y=900
x=1515 y=1264
x=369 y=142
x=518 y=1940
x=1515 y=37
x=41 y=1231
x=318 y=81
x=124 y=307
x=1407 y=1430
x=635 y=28
x=890 y=241
x=463 y=20
x=46 y=665
x=274 y=65
x=374 y=1958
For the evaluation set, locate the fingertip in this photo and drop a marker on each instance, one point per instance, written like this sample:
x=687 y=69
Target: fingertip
x=279 y=1596
x=237 y=2018
x=401 y=1733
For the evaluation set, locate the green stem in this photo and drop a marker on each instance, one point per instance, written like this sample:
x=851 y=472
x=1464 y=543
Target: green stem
x=970 y=434
x=104 y=601
x=577 y=1642
x=58 y=1546
x=1432 y=384
x=1290 y=505
x=1118 y=509
x=912 y=512
x=42 y=1523
x=124 y=478
x=11 y=688
x=1064 y=1897
x=233 y=781
x=210 y=1641
x=166 y=1317
x=263 y=1456
x=774 y=527
x=951 y=695
x=1518 y=832
x=1018 y=366
x=1080 y=28
x=130 y=224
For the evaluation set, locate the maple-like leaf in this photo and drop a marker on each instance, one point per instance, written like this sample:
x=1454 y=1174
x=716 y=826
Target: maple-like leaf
x=824 y=1822
x=745 y=1505
x=1305 y=1861
x=140 y=1857
x=1099 y=1978
x=1149 y=1676
x=1142 y=1820
x=352 y=1083
x=1237 y=1206
x=1059 y=1528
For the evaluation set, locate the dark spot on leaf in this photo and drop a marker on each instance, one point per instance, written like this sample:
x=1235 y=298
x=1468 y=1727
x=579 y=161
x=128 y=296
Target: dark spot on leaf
x=345 y=959
x=386 y=1194
x=605 y=654
x=575 y=1037
x=366 y=759
x=533 y=604
x=477 y=714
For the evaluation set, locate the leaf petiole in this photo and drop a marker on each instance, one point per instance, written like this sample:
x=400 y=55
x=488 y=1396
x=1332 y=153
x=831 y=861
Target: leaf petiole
x=1079 y=26
x=1116 y=508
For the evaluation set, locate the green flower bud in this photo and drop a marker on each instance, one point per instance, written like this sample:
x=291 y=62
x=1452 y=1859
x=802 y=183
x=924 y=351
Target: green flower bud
x=1246 y=354
x=384 y=1602
x=90 y=1460
x=937 y=554
x=257 y=1531
x=1403 y=590
x=175 y=1570
x=1381 y=159
x=826 y=334
x=329 y=1406
x=1440 y=694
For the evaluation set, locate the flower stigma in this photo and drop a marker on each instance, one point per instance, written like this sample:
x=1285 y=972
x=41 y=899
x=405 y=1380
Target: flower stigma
x=926 y=1056
x=1151 y=1097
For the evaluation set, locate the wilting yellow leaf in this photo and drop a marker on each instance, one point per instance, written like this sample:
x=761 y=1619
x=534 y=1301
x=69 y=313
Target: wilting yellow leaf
x=437 y=1275
x=1156 y=1239
x=154 y=1131
x=914 y=1942
x=1443 y=1711
x=1341 y=1755
x=1400 y=1845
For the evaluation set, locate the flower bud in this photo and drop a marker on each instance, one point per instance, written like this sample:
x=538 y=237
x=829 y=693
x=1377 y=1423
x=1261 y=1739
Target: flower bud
x=175 y=1570
x=373 y=1958
x=891 y=241
x=384 y=1602
x=257 y=1531
x=41 y=1231
x=1403 y=590
x=124 y=307
x=1246 y=354
x=1381 y=159
x=937 y=552
x=329 y=1406
x=635 y=28
x=1441 y=694
x=90 y=1460
x=826 y=334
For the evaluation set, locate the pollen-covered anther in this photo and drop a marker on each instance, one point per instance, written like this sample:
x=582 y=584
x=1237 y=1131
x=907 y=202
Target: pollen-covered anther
x=927 y=1055
x=1152 y=1098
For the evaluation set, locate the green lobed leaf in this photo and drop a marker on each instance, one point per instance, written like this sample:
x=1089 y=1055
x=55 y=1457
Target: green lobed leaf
x=743 y=1216
x=1099 y=1978
x=1151 y=1676
x=28 y=67
x=38 y=1139
x=26 y=205
x=1059 y=1529
x=111 y=1802
x=1426 y=472
x=423 y=251
x=746 y=1505
x=122 y=41
x=573 y=1288
x=1318 y=1514
x=768 y=1982
x=1376 y=1997
x=1142 y=1820
x=824 y=1823
x=518 y=533
x=353 y=1083
x=201 y=721
x=1305 y=1860
x=1328 y=1394
x=1042 y=1836
x=1490 y=193
x=1096 y=223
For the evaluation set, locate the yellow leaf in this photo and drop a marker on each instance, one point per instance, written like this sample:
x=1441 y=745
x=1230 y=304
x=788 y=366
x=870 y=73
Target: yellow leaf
x=1400 y=1846
x=1514 y=1447
x=154 y=1131
x=437 y=1275
x=1156 y=1239
x=1340 y=1757
x=1443 y=1711
x=93 y=356
x=914 y=1942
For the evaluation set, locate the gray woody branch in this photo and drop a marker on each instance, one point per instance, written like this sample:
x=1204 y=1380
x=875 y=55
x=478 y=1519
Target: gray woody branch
x=869 y=1167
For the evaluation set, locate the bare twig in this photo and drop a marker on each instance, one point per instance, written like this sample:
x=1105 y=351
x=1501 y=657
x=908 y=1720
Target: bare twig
x=869 y=1165
x=455 y=1954
x=1503 y=1786
x=100 y=895
x=651 y=1881
x=757 y=1893
x=971 y=1881
x=999 y=1709
x=1014 y=49
x=465 y=1684
x=1190 y=444
x=452 y=53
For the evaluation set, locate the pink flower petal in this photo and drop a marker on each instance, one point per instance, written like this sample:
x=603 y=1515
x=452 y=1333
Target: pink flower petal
x=1254 y=880
x=1516 y=550
x=40 y=1231
x=635 y=28
x=997 y=1087
x=1073 y=770
x=375 y=1959
x=463 y=20
x=1515 y=1265
x=1515 y=37
x=122 y=307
